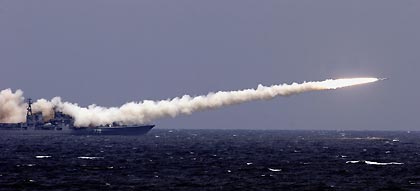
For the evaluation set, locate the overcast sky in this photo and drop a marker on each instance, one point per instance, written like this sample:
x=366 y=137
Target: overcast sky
x=110 y=52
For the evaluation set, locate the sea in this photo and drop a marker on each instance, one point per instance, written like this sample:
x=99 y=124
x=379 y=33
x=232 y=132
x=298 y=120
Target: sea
x=213 y=160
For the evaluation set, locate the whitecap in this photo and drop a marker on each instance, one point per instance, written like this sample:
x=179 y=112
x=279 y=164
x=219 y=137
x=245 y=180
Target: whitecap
x=362 y=138
x=274 y=170
x=42 y=157
x=354 y=162
x=90 y=158
x=383 y=163
x=373 y=162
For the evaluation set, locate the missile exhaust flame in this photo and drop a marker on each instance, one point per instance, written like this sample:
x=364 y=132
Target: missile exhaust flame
x=341 y=83
x=12 y=107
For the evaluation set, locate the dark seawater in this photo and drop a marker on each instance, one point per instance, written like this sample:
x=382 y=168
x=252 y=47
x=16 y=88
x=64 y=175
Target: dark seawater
x=213 y=160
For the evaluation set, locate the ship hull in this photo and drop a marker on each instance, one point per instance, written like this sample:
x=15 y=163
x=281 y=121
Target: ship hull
x=62 y=123
x=124 y=130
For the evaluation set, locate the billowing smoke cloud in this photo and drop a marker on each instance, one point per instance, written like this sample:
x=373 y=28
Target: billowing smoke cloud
x=12 y=106
x=147 y=111
x=45 y=107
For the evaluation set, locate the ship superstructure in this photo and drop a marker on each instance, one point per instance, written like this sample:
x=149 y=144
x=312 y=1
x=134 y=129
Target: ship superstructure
x=63 y=124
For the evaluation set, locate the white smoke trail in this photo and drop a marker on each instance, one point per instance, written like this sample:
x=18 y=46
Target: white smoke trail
x=147 y=111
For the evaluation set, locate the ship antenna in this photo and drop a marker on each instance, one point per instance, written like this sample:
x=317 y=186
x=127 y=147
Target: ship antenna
x=29 y=109
x=29 y=117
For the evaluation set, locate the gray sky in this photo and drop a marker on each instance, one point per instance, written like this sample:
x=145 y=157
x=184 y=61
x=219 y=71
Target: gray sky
x=110 y=52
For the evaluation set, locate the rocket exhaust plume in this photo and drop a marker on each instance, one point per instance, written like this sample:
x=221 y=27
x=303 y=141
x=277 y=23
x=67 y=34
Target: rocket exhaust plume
x=12 y=107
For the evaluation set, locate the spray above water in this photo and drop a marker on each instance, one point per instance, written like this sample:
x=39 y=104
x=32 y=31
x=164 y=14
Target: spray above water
x=12 y=106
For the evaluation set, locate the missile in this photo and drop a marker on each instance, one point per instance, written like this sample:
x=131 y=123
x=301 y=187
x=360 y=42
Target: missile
x=380 y=79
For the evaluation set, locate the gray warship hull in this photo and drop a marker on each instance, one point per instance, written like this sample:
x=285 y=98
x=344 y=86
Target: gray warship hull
x=124 y=130
x=64 y=124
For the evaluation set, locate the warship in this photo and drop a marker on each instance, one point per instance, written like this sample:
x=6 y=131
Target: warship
x=64 y=124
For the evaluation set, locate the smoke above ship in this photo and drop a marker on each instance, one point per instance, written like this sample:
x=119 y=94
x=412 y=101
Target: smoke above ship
x=13 y=106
